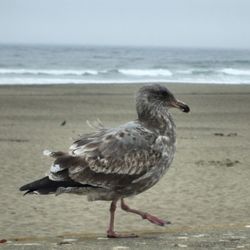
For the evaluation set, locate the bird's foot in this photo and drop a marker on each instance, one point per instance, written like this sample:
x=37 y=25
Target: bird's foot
x=112 y=234
x=155 y=220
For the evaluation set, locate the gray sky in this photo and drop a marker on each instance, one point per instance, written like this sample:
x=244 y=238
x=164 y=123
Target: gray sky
x=197 y=23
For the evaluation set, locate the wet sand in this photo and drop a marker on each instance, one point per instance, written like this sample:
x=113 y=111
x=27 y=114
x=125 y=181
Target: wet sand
x=216 y=237
x=207 y=186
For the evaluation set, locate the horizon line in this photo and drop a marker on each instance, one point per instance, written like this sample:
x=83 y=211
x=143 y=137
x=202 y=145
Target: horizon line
x=120 y=45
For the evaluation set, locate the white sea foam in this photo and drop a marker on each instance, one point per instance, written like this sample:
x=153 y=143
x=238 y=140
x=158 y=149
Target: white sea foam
x=49 y=81
x=66 y=76
x=146 y=72
x=65 y=72
x=50 y=72
x=236 y=72
x=185 y=71
x=34 y=80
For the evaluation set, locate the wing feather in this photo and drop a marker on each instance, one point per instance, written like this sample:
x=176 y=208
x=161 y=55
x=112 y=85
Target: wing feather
x=109 y=158
x=126 y=150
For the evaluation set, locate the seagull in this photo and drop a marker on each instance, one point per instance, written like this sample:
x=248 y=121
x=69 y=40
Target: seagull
x=112 y=164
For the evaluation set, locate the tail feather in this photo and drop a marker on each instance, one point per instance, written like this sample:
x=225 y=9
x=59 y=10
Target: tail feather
x=47 y=186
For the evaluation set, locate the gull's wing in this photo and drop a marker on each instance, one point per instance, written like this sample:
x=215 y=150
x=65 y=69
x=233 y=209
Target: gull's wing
x=125 y=150
x=109 y=157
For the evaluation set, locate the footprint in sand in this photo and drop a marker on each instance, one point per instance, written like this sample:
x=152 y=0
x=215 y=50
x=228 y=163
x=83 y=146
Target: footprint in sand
x=223 y=163
x=229 y=134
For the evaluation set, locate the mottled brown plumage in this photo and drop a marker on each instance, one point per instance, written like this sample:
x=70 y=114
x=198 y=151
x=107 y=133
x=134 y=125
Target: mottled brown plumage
x=115 y=163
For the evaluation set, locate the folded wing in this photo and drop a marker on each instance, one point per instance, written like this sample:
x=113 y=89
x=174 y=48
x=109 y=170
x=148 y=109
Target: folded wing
x=108 y=158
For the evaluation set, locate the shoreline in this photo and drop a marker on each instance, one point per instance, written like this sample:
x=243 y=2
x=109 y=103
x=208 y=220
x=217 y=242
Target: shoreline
x=117 y=83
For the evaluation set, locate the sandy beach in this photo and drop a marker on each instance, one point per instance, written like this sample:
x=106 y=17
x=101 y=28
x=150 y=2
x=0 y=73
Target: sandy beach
x=206 y=187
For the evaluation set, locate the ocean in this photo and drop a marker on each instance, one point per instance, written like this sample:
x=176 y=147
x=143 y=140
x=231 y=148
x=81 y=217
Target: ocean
x=43 y=64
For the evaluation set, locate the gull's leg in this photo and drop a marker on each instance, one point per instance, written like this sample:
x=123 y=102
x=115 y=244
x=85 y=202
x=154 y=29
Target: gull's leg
x=147 y=216
x=110 y=232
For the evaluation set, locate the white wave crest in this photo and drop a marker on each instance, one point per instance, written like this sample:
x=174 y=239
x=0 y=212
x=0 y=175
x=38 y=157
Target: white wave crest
x=49 y=81
x=146 y=72
x=34 y=81
x=54 y=72
x=185 y=71
x=236 y=72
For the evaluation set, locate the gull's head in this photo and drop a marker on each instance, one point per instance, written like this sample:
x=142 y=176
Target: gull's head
x=157 y=96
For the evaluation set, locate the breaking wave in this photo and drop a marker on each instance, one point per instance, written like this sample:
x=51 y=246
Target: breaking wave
x=65 y=72
x=146 y=72
x=236 y=72
x=49 y=72
x=78 y=76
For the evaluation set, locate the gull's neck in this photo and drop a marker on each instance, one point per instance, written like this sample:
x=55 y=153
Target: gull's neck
x=156 y=117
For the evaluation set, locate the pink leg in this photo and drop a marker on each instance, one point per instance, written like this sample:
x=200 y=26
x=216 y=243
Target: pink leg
x=147 y=216
x=110 y=232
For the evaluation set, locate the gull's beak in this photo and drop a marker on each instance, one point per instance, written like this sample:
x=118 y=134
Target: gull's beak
x=180 y=105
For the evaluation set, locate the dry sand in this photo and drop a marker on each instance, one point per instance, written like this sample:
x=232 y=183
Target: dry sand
x=207 y=186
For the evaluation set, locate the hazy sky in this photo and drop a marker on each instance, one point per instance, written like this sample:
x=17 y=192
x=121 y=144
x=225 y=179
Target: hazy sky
x=202 y=23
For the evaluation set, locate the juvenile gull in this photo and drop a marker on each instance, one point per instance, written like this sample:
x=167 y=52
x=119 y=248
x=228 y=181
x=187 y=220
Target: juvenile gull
x=114 y=163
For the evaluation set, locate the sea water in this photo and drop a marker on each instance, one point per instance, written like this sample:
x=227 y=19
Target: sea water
x=44 y=64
